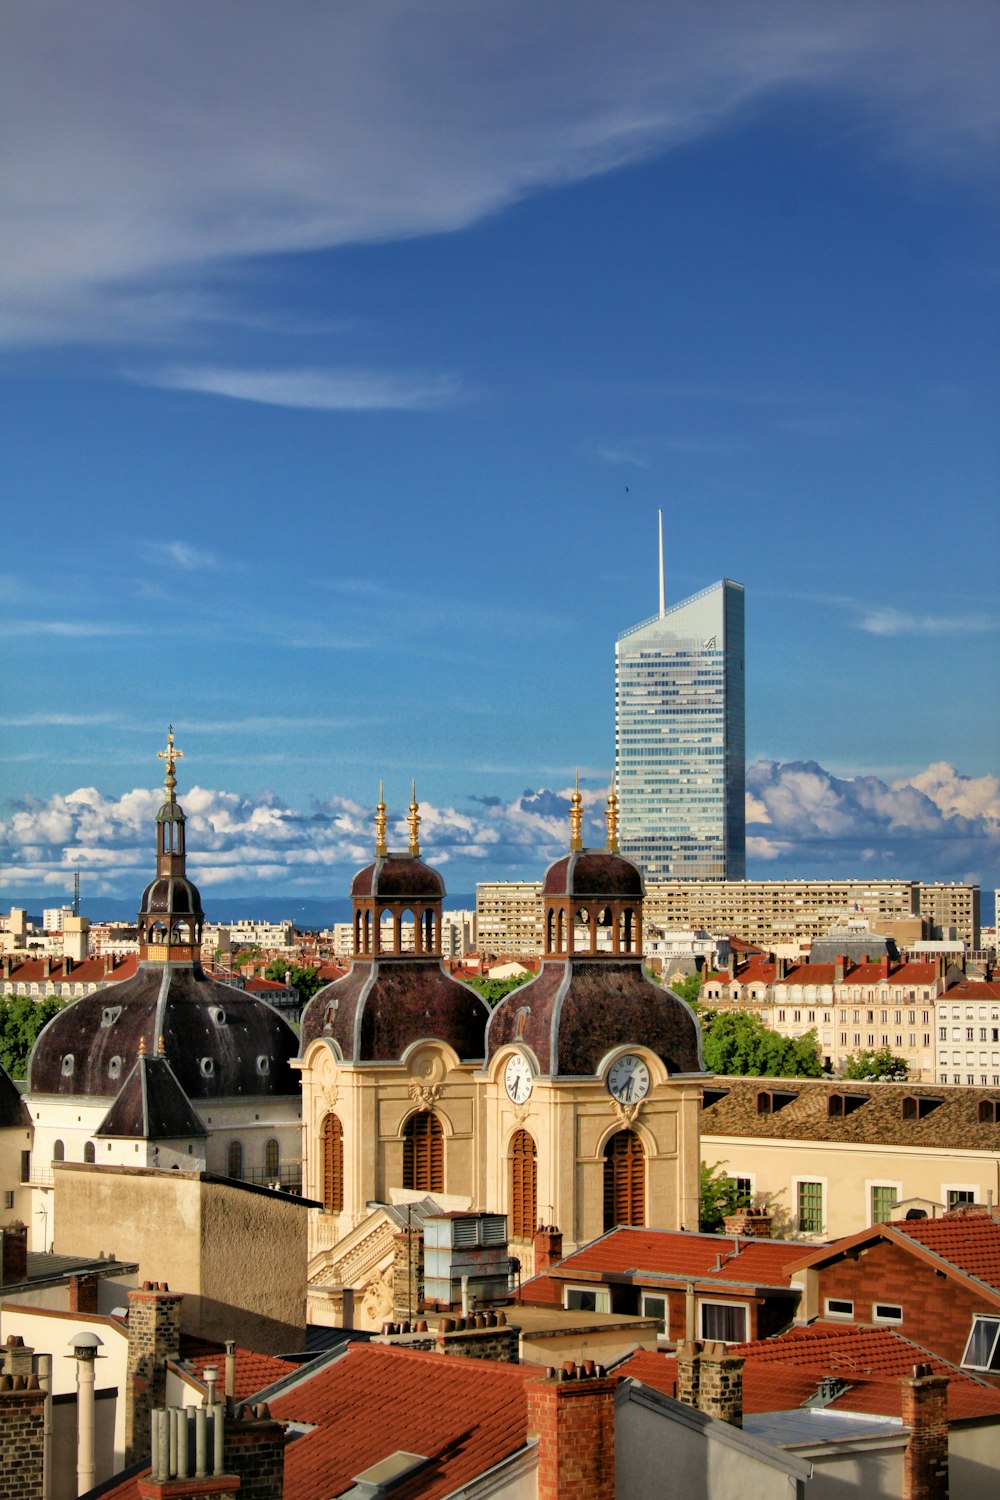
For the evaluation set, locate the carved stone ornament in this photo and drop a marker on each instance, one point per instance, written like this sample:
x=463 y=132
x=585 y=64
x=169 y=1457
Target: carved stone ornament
x=376 y=1300
x=328 y=1096
x=626 y=1114
x=423 y=1094
x=521 y=1113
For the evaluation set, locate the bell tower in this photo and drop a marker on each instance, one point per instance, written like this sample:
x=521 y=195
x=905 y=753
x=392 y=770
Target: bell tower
x=170 y=913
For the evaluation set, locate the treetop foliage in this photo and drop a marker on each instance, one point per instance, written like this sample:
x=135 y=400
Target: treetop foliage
x=495 y=990
x=737 y=1042
x=21 y=1019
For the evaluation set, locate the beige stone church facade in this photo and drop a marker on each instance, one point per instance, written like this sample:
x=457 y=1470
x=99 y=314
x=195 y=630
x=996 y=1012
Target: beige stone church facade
x=574 y=1103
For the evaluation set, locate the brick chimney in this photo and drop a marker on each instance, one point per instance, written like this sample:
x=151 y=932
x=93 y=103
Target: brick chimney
x=6 y=965
x=407 y=1273
x=925 y=1413
x=749 y=1223
x=780 y=968
x=22 y=1443
x=67 y=968
x=688 y=1355
x=548 y=1247
x=154 y=1336
x=109 y=964
x=254 y=1451
x=18 y=1356
x=15 y=1252
x=839 y=968
x=883 y=968
x=720 y=1386
x=83 y=1293
x=572 y=1413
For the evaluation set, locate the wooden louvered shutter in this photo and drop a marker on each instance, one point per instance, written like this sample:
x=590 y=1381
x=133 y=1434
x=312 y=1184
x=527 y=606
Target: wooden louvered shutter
x=624 y=1181
x=423 y=1153
x=523 y=1185
x=333 y=1164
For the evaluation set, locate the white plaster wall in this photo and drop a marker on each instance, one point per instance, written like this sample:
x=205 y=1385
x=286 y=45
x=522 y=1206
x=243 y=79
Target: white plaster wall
x=650 y=1446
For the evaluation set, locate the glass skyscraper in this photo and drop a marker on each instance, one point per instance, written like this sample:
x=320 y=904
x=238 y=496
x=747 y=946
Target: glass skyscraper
x=680 y=739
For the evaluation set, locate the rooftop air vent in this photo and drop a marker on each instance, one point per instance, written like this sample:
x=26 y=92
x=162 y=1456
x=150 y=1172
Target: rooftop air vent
x=218 y=1015
x=67 y=1065
x=207 y=1066
x=115 y=1068
x=110 y=1014
x=263 y=1065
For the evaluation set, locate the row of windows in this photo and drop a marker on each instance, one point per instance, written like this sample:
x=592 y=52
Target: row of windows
x=423 y=1171
x=986 y=1034
x=725 y=1321
x=809 y=1201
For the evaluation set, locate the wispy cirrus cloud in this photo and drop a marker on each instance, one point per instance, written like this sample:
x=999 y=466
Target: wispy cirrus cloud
x=150 y=150
x=889 y=621
x=182 y=555
x=67 y=629
x=315 y=389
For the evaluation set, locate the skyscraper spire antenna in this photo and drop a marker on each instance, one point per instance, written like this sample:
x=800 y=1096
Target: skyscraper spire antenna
x=663 y=599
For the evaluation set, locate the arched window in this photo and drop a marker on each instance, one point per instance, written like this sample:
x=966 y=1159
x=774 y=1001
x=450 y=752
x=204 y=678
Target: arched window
x=272 y=1160
x=423 y=1153
x=627 y=930
x=523 y=1176
x=90 y=1152
x=549 y=929
x=368 y=932
x=430 y=936
x=333 y=1164
x=234 y=1160
x=58 y=1151
x=357 y=932
x=624 y=1181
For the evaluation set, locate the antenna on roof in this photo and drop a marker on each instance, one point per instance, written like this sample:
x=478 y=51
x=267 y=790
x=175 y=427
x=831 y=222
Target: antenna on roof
x=76 y=894
x=663 y=605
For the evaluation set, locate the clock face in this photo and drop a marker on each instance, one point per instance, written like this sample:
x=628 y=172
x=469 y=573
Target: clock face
x=517 y=1079
x=628 y=1079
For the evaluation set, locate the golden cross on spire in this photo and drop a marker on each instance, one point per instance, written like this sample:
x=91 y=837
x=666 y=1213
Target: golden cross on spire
x=413 y=819
x=576 y=817
x=170 y=755
x=611 y=817
x=381 y=824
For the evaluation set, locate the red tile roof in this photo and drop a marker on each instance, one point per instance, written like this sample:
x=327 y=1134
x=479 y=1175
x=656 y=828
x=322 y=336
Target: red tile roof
x=970 y=1241
x=253 y=1371
x=782 y=1373
x=968 y=989
x=87 y=971
x=671 y=1252
x=464 y=1415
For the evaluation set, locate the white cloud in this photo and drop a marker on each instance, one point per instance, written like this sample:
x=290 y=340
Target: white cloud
x=315 y=390
x=190 y=559
x=890 y=621
x=148 y=148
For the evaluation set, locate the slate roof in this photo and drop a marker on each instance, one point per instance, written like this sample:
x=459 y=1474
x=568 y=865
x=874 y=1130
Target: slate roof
x=378 y=1009
x=578 y=1010
x=670 y=1252
x=879 y=1121
x=593 y=872
x=151 y=1106
x=781 y=1373
x=13 y=1110
x=398 y=877
x=213 y=1035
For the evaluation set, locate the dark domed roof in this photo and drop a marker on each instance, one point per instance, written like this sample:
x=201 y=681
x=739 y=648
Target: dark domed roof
x=399 y=877
x=593 y=872
x=220 y=1043
x=377 y=1010
x=574 y=1013
x=173 y=894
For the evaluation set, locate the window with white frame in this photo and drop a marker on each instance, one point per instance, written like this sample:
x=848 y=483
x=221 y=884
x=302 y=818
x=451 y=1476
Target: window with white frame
x=982 y=1352
x=725 y=1322
x=654 y=1305
x=809 y=1207
x=887 y=1312
x=587 y=1299
x=838 y=1307
x=956 y=1196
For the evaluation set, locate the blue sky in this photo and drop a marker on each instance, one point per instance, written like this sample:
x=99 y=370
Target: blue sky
x=348 y=352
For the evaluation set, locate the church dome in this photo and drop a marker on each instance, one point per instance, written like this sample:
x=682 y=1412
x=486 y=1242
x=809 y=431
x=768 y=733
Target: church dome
x=397 y=991
x=219 y=1042
x=593 y=873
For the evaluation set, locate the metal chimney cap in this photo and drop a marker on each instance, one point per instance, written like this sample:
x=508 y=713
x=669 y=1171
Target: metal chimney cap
x=86 y=1341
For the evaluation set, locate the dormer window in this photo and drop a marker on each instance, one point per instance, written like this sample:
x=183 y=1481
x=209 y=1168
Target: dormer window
x=989 y=1111
x=67 y=1065
x=110 y=1014
x=263 y=1065
x=839 y=1105
x=919 y=1106
x=115 y=1068
x=218 y=1015
x=769 y=1101
x=207 y=1066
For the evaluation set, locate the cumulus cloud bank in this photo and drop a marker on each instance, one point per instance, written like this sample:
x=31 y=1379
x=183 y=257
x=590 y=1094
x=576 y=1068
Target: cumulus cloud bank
x=801 y=820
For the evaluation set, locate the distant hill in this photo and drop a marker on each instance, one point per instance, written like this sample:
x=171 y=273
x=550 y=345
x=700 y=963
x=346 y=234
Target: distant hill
x=305 y=913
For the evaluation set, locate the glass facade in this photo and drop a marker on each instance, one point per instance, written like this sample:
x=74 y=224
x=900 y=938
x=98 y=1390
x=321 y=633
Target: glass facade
x=680 y=741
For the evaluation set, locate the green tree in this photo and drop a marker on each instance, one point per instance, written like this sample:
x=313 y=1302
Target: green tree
x=737 y=1042
x=305 y=979
x=719 y=1197
x=21 y=1019
x=689 y=989
x=883 y=1064
x=495 y=990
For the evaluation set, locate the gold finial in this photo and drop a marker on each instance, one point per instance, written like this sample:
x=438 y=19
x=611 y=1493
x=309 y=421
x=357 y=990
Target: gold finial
x=161 y=1046
x=381 y=824
x=611 y=817
x=170 y=755
x=142 y=1046
x=413 y=819
x=576 y=817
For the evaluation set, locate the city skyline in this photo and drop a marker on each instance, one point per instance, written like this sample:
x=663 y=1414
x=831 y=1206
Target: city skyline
x=339 y=398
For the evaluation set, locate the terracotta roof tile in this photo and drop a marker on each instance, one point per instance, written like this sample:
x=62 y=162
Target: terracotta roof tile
x=254 y=1371
x=970 y=1241
x=669 y=1252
